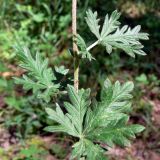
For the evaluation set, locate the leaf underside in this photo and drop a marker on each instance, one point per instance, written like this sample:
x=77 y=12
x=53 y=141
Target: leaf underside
x=112 y=36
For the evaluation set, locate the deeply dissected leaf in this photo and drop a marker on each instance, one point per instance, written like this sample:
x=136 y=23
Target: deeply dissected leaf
x=72 y=122
x=65 y=123
x=126 y=39
x=116 y=132
x=112 y=36
x=105 y=121
x=39 y=77
x=78 y=106
x=108 y=120
x=113 y=106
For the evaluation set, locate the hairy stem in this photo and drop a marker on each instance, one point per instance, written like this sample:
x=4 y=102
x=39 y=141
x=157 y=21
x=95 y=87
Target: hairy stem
x=75 y=48
x=92 y=45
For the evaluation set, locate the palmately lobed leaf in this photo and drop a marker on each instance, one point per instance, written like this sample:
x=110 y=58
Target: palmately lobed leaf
x=114 y=104
x=94 y=151
x=105 y=121
x=108 y=121
x=112 y=36
x=78 y=149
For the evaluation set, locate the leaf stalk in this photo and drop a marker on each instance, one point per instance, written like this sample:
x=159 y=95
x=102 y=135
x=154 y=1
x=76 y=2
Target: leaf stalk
x=92 y=45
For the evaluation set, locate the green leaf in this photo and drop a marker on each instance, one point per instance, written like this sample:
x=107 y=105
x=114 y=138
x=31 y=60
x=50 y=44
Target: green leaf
x=76 y=111
x=94 y=152
x=85 y=148
x=142 y=79
x=39 y=77
x=116 y=95
x=114 y=102
x=61 y=70
x=136 y=128
x=126 y=39
x=110 y=24
x=92 y=22
x=117 y=132
x=78 y=150
x=112 y=36
x=65 y=123
x=83 y=48
x=79 y=103
x=55 y=129
x=107 y=122
x=104 y=122
x=38 y=17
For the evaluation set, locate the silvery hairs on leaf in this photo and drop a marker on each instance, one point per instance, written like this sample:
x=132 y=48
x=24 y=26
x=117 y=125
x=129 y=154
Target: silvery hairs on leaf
x=112 y=36
x=105 y=121
x=39 y=77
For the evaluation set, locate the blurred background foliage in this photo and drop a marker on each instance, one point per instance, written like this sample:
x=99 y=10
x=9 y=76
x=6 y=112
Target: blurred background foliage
x=45 y=26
